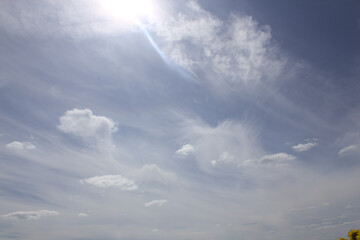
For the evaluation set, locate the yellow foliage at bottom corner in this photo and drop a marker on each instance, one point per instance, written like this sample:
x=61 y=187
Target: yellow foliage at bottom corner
x=353 y=234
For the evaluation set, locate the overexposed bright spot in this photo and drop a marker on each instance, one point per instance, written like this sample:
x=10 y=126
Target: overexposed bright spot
x=133 y=11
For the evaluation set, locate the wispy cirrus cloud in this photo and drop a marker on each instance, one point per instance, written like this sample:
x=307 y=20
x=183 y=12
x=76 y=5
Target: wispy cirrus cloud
x=230 y=142
x=272 y=160
x=231 y=53
x=348 y=149
x=224 y=164
x=152 y=172
x=225 y=157
x=30 y=215
x=158 y=203
x=83 y=215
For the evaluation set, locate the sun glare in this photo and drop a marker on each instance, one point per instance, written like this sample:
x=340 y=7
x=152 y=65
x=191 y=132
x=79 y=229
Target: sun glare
x=134 y=11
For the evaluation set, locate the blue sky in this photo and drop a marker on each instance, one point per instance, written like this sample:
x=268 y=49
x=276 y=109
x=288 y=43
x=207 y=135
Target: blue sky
x=179 y=120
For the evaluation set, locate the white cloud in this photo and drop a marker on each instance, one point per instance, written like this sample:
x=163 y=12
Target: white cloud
x=302 y=147
x=83 y=215
x=271 y=160
x=20 y=146
x=155 y=230
x=233 y=53
x=348 y=149
x=229 y=142
x=225 y=157
x=152 y=172
x=83 y=123
x=186 y=150
x=30 y=215
x=156 y=203
x=111 y=181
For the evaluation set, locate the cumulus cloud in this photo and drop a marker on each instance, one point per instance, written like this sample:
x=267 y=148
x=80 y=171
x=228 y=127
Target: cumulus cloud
x=30 y=215
x=303 y=147
x=83 y=215
x=271 y=160
x=111 y=181
x=20 y=146
x=185 y=150
x=348 y=149
x=236 y=52
x=156 y=203
x=83 y=123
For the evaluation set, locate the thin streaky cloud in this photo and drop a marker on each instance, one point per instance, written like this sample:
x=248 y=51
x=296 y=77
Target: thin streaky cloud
x=158 y=203
x=30 y=215
x=348 y=149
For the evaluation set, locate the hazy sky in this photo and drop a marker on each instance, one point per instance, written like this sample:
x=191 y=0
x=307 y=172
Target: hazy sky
x=208 y=119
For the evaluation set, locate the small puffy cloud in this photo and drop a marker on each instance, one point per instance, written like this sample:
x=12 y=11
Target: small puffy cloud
x=83 y=215
x=303 y=147
x=348 y=149
x=30 y=215
x=152 y=172
x=272 y=160
x=83 y=123
x=20 y=146
x=111 y=181
x=225 y=157
x=156 y=203
x=185 y=150
x=155 y=230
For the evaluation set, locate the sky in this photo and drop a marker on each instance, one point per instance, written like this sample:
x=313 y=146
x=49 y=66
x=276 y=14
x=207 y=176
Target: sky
x=154 y=119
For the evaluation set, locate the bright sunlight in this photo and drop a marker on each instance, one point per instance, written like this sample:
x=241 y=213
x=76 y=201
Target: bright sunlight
x=134 y=11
